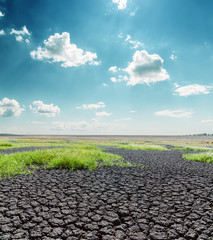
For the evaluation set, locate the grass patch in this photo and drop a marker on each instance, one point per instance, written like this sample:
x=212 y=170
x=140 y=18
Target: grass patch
x=72 y=158
x=202 y=157
x=5 y=144
x=133 y=146
x=196 y=149
x=144 y=147
x=35 y=143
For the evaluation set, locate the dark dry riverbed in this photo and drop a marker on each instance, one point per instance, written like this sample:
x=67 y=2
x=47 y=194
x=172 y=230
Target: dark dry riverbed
x=171 y=199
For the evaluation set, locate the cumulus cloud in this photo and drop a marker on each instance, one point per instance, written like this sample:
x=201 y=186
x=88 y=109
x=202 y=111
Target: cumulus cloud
x=92 y=106
x=19 y=38
x=104 y=84
x=103 y=114
x=47 y=110
x=2 y=32
x=114 y=79
x=146 y=68
x=119 y=78
x=121 y=3
x=174 y=114
x=114 y=69
x=193 y=89
x=21 y=35
x=135 y=44
x=206 y=121
x=10 y=108
x=58 y=48
x=2 y=14
x=23 y=32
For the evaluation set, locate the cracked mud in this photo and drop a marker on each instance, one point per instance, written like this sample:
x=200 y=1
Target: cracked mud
x=169 y=199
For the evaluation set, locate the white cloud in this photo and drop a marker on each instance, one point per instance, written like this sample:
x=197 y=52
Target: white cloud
x=10 y=108
x=121 y=3
x=206 y=121
x=120 y=35
x=132 y=13
x=92 y=106
x=135 y=44
x=132 y=111
x=21 y=35
x=174 y=114
x=103 y=114
x=119 y=78
x=2 y=14
x=19 y=38
x=2 y=32
x=193 y=89
x=58 y=48
x=104 y=84
x=173 y=57
x=125 y=78
x=68 y=125
x=47 y=110
x=146 y=68
x=114 y=69
x=94 y=126
x=123 y=119
x=128 y=37
x=105 y=127
x=22 y=32
x=113 y=79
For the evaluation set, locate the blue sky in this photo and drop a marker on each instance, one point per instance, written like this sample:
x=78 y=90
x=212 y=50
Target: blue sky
x=106 y=67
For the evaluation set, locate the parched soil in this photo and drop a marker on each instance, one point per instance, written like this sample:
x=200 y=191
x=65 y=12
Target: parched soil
x=167 y=199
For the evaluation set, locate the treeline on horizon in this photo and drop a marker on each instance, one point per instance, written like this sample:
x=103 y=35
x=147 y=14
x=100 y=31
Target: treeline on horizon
x=202 y=134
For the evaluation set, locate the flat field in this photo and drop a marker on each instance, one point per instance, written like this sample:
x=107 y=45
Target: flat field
x=106 y=187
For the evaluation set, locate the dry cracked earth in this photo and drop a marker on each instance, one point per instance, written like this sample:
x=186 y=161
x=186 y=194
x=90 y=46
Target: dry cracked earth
x=168 y=199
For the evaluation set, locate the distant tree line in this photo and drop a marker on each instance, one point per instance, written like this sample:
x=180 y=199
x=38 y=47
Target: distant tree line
x=203 y=134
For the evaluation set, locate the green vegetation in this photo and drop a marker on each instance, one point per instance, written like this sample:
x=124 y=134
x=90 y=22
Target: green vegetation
x=134 y=146
x=75 y=154
x=196 y=149
x=73 y=158
x=67 y=143
x=144 y=147
x=203 y=157
x=5 y=145
x=34 y=143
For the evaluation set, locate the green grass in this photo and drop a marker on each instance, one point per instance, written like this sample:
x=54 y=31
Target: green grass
x=5 y=145
x=144 y=147
x=35 y=143
x=196 y=149
x=72 y=158
x=202 y=157
x=134 y=146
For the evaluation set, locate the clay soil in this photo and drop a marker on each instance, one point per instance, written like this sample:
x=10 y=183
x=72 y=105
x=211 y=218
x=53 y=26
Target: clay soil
x=169 y=198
